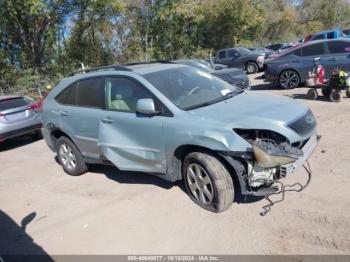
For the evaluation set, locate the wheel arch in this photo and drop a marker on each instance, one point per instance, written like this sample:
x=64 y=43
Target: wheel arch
x=182 y=151
x=56 y=134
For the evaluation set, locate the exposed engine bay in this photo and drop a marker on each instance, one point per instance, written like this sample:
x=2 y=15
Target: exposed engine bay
x=271 y=151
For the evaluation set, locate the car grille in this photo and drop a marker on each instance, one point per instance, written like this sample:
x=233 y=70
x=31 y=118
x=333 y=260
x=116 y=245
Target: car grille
x=304 y=124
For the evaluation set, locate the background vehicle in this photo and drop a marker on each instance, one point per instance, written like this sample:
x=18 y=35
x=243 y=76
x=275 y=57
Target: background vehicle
x=208 y=63
x=274 y=47
x=291 y=68
x=179 y=123
x=264 y=50
x=241 y=57
x=19 y=115
x=233 y=76
x=332 y=34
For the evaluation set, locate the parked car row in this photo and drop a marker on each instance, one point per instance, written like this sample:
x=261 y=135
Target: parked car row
x=291 y=68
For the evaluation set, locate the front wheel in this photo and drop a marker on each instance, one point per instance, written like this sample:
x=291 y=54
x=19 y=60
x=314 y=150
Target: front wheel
x=252 y=67
x=289 y=79
x=208 y=182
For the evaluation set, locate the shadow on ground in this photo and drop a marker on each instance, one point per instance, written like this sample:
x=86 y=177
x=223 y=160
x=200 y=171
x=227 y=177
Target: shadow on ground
x=124 y=177
x=16 y=142
x=265 y=86
x=16 y=244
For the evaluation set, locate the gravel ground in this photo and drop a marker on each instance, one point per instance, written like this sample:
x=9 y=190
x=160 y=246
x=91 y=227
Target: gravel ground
x=108 y=212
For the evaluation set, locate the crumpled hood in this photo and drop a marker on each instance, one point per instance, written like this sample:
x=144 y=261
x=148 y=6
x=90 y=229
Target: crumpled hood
x=251 y=110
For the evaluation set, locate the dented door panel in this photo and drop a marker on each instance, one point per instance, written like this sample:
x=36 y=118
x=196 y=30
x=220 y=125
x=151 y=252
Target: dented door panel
x=133 y=142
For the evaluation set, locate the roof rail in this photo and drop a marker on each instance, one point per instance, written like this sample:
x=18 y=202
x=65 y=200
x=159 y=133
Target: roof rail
x=151 y=62
x=101 y=68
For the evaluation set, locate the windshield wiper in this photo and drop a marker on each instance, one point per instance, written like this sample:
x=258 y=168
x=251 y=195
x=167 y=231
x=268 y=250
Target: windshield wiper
x=227 y=96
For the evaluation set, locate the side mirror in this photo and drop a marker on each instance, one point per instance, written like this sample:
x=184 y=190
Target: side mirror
x=146 y=106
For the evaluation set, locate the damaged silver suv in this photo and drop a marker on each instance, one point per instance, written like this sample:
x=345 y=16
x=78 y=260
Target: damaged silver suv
x=178 y=123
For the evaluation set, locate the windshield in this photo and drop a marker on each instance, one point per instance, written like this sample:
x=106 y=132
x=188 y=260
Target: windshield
x=190 y=88
x=198 y=65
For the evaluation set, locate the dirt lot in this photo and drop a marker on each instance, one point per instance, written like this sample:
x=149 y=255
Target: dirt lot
x=106 y=212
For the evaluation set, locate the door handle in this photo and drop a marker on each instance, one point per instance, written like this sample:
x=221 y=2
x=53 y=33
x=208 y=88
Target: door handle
x=107 y=120
x=63 y=113
x=331 y=60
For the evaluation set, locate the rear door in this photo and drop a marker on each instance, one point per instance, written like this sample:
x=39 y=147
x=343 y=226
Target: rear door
x=306 y=62
x=222 y=57
x=79 y=110
x=339 y=55
x=131 y=141
x=235 y=58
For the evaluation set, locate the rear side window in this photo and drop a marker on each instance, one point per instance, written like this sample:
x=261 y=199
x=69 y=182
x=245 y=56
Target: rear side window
x=222 y=54
x=91 y=93
x=14 y=102
x=338 y=47
x=312 y=50
x=68 y=96
x=232 y=53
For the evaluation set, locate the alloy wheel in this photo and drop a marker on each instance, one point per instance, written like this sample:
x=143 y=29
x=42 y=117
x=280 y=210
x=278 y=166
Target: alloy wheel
x=289 y=79
x=67 y=156
x=199 y=184
x=252 y=68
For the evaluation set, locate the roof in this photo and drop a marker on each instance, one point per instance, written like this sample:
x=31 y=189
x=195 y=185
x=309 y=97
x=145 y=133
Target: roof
x=143 y=69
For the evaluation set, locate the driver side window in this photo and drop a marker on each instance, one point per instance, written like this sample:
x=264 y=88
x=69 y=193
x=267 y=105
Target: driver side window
x=123 y=94
x=233 y=53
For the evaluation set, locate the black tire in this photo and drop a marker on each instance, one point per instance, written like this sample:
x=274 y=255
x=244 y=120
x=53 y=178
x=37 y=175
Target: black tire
x=347 y=92
x=220 y=181
x=251 y=67
x=80 y=166
x=37 y=135
x=335 y=96
x=289 y=79
x=312 y=94
x=326 y=92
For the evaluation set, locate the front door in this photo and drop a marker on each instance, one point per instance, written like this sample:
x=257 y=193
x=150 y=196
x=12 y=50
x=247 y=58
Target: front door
x=131 y=141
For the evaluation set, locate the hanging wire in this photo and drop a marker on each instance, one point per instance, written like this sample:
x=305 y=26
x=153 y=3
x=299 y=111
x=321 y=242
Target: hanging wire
x=296 y=187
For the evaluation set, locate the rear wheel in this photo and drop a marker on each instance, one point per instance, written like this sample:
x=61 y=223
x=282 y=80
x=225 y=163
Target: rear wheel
x=208 y=182
x=70 y=157
x=335 y=96
x=252 y=67
x=289 y=79
x=312 y=94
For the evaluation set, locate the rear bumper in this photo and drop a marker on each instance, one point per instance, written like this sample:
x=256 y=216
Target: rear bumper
x=19 y=132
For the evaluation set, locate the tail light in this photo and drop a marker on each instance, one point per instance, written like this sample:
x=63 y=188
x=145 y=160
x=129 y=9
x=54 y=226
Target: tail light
x=35 y=106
